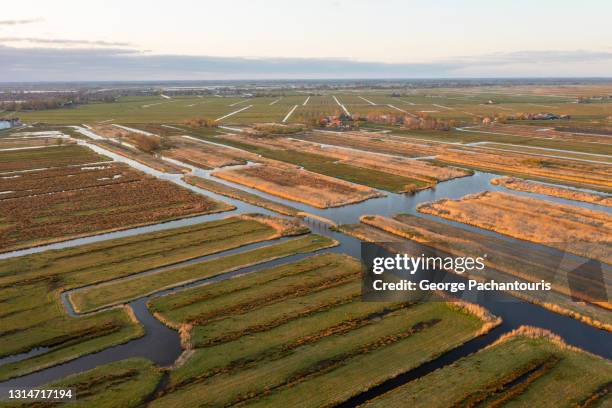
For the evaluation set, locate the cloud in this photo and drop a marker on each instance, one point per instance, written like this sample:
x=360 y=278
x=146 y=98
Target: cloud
x=58 y=41
x=530 y=57
x=19 y=22
x=112 y=64
x=58 y=64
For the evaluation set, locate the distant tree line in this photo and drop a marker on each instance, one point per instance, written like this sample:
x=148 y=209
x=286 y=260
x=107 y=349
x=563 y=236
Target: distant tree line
x=36 y=102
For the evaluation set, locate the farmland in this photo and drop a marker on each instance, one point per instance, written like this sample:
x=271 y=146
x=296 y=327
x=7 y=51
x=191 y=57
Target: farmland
x=528 y=186
x=526 y=368
x=323 y=164
x=167 y=301
x=120 y=291
x=132 y=152
x=468 y=135
x=531 y=131
x=420 y=172
x=595 y=176
x=463 y=105
x=31 y=284
x=58 y=204
x=20 y=160
x=502 y=256
x=271 y=337
x=374 y=142
x=298 y=185
x=572 y=152
x=242 y=195
x=205 y=155
x=124 y=383
x=30 y=142
x=573 y=229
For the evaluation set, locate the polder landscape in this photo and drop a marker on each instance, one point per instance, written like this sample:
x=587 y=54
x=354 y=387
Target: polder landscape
x=197 y=244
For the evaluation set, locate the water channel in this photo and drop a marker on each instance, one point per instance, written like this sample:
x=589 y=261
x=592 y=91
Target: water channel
x=161 y=344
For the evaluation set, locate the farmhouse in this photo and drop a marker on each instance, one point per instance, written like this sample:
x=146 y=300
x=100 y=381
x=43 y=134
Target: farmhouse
x=342 y=122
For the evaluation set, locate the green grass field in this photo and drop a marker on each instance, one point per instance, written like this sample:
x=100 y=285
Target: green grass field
x=32 y=315
x=521 y=371
x=125 y=383
x=456 y=136
x=297 y=334
x=461 y=105
x=132 y=110
x=95 y=297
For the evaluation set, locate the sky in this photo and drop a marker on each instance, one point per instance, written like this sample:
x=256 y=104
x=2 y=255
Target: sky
x=64 y=40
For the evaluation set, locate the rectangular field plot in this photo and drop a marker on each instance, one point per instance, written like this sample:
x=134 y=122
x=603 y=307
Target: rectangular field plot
x=25 y=143
x=298 y=334
x=545 y=147
x=423 y=174
x=548 y=132
x=32 y=315
x=205 y=155
x=528 y=368
x=594 y=175
x=374 y=142
x=20 y=160
x=61 y=203
x=299 y=185
x=316 y=107
x=134 y=153
x=37 y=182
x=120 y=291
x=291 y=151
x=553 y=191
x=242 y=195
x=573 y=229
x=537 y=144
x=266 y=110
